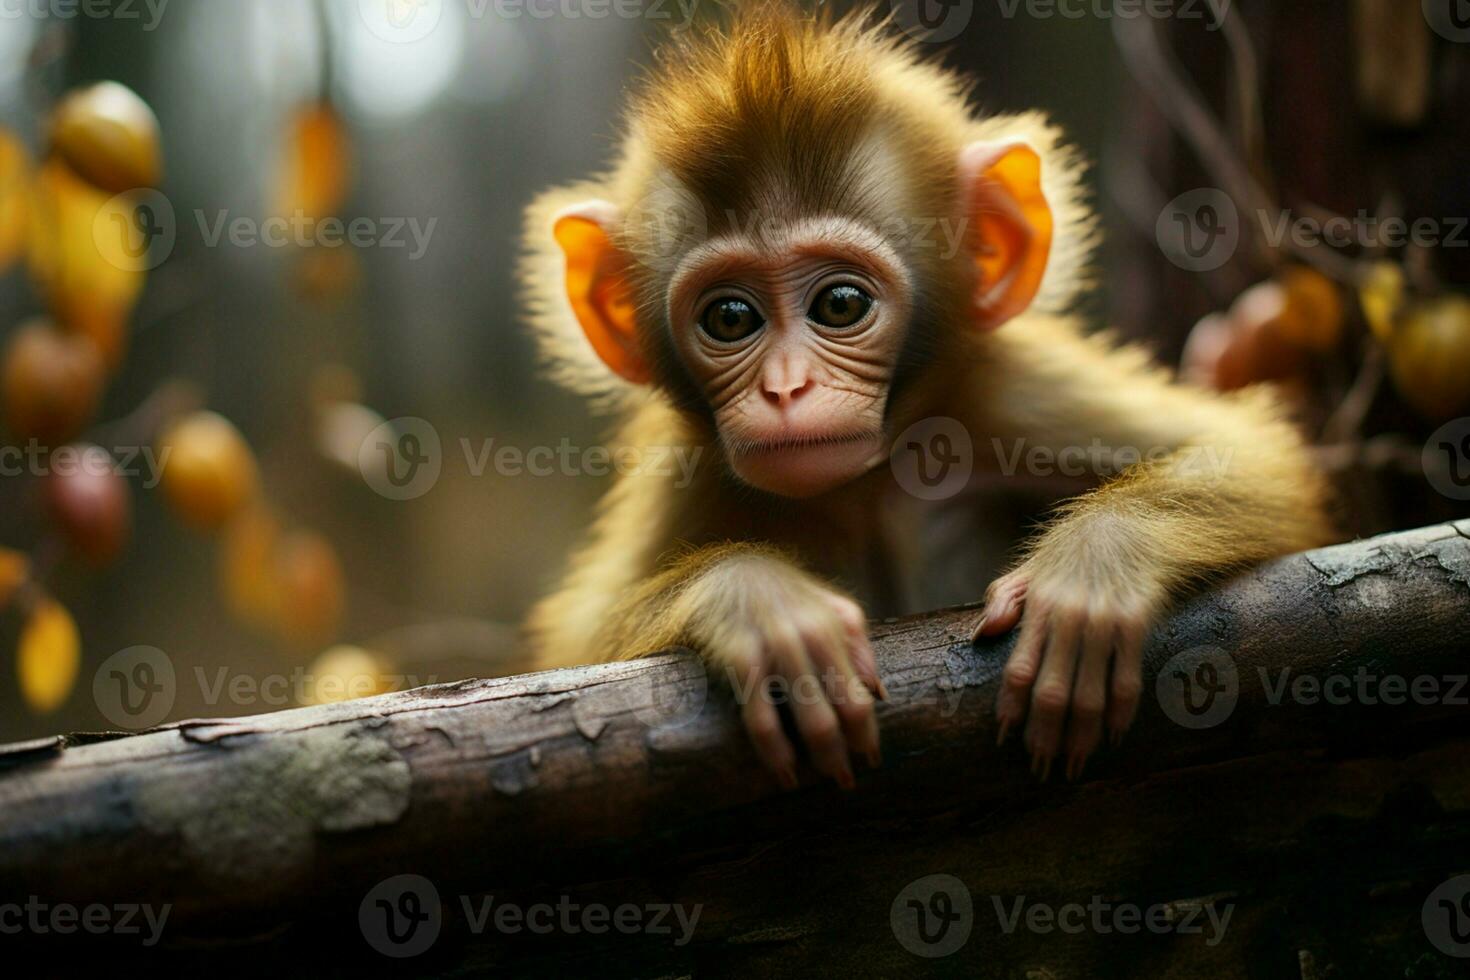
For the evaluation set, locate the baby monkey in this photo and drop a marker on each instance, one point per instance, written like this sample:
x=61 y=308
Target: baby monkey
x=755 y=279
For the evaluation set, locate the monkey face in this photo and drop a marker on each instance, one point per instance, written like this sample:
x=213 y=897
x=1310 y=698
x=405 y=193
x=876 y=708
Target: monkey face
x=792 y=334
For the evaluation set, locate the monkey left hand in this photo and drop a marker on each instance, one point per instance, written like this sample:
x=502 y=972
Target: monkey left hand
x=1073 y=629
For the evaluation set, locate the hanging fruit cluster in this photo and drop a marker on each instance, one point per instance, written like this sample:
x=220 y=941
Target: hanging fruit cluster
x=1270 y=333
x=74 y=219
x=1277 y=329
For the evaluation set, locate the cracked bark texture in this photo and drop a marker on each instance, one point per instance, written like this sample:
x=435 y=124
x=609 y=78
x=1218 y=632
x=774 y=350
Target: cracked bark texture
x=1321 y=792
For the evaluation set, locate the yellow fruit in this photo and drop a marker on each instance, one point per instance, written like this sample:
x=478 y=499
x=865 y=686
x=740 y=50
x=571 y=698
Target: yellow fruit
x=344 y=673
x=1314 y=312
x=81 y=258
x=1429 y=357
x=50 y=653
x=15 y=192
x=248 y=566
x=311 y=588
x=1381 y=294
x=209 y=474
x=52 y=383
x=109 y=136
x=317 y=166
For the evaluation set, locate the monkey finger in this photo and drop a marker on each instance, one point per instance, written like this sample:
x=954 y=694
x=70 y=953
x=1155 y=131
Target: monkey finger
x=1020 y=673
x=847 y=694
x=865 y=661
x=1052 y=692
x=1127 y=681
x=820 y=729
x=1004 y=603
x=763 y=724
x=1089 y=693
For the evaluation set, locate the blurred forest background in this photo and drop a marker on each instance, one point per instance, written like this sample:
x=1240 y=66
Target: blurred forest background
x=300 y=347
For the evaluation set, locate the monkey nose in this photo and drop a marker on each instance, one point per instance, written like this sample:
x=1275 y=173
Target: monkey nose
x=785 y=391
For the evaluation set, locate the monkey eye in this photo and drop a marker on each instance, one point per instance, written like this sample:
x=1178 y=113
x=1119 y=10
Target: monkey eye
x=730 y=319
x=840 y=306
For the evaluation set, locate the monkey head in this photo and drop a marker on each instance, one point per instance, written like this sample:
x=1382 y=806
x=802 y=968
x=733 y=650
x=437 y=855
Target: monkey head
x=805 y=221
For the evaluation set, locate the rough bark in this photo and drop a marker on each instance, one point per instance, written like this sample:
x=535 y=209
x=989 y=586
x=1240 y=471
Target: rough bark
x=633 y=782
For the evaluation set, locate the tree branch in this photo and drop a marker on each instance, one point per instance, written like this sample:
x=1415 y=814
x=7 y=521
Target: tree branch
x=641 y=769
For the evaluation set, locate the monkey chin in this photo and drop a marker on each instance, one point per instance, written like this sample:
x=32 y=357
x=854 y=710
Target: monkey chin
x=804 y=469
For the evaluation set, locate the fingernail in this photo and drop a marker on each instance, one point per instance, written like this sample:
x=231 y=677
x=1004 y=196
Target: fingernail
x=1074 y=768
x=1005 y=729
x=882 y=691
x=979 y=627
x=875 y=759
x=845 y=779
x=787 y=778
x=1046 y=769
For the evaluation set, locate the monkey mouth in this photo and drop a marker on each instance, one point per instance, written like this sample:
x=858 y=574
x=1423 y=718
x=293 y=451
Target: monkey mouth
x=830 y=440
x=801 y=466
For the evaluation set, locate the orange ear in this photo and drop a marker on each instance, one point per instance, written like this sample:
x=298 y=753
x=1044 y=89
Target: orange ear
x=598 y=288
x=1013 y=223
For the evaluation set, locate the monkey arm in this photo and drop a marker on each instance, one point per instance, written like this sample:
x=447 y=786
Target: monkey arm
x=1193 y=484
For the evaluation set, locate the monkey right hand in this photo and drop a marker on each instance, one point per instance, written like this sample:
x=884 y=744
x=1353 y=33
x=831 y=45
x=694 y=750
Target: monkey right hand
x=777 y=635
